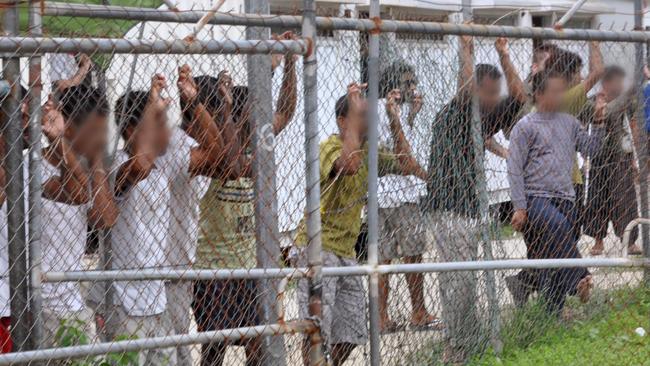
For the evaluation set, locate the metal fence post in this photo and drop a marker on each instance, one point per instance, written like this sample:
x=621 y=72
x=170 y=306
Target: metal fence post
x=35 y=178
x=312 y=175
x=641 y=138
x=264 y=170
x=481 y=188
x=15 y=192
x=373 y=174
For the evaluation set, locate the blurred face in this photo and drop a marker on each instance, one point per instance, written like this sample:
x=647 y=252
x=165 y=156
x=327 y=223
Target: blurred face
x=489 y=94
x=614 y=87
x=551 y=98
x=408 y=84
x=360 y=116
x=90 y=137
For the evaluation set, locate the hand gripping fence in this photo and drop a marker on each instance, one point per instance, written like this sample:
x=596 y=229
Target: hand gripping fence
x=363 y=206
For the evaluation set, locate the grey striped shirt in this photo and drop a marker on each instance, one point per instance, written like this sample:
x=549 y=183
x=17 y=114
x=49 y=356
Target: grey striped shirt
x=542 y=151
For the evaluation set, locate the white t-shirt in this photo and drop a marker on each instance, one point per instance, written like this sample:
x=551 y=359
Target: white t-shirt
x=140 y=236
x=63 y=242
x=186 y=194
x=396 y=190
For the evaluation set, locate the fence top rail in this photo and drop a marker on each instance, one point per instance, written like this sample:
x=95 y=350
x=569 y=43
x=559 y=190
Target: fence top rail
x=334 y=23
x=27 y=46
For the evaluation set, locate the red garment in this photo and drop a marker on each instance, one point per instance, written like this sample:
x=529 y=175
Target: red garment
x=5 y=337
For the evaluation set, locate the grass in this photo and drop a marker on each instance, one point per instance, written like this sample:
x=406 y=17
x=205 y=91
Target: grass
x=601 y=333
x=87 y=27
x=72 y=27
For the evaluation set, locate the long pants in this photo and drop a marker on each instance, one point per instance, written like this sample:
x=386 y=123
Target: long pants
x=179 y=312
x=457 y=239
x=550 y=233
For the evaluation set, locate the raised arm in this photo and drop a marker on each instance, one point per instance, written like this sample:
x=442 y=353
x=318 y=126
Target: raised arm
x=351 y=158
x=596 y=66
x=516 y=86
x=402 y=149
x=288 y=98
x=141 y=142
x=207 y=158
x=71 y=186
x=103 y=212
x=466 y=72
x=83 y=68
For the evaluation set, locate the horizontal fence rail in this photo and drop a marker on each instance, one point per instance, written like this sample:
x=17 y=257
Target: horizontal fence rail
x=274 y=108
x=290 y=327
x=32 y=45
x=333 y=23
x=161 y=274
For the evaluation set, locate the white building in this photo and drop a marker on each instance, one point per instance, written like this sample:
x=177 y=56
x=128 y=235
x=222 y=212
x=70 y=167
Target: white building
x=340 y=57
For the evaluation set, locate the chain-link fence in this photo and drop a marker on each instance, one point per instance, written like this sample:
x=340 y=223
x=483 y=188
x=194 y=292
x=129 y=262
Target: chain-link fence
x=181 y=189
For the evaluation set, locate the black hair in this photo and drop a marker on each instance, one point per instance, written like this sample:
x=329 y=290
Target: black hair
x=240 y=96
x=77 y=102
x=540 y=80
x=208 y=92
x=342 y=107
x=613 y=72
x=208 y=95
x=391 y=77
x=564 y=62
x=549 y=48
x=486 y=71
x=129 y=109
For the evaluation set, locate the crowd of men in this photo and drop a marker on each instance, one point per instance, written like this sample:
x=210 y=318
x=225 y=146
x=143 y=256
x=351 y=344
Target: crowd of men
x=183 y=197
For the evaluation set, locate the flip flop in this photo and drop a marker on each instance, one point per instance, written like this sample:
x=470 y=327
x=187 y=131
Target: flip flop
x=434 y=323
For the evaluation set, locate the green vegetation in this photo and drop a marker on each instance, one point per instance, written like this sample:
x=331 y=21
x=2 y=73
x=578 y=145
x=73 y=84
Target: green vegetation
x=601 y=333
x=71 y=333
x=86 y=27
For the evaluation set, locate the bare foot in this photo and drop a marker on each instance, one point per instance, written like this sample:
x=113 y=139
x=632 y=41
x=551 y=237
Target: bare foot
x=424 y=319
x=584 y=288
x=452 y=356
x=598 y=248
x=387 y=325
x=634 y=250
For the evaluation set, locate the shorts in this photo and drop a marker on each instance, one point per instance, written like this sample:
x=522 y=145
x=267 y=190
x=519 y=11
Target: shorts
x=122 y=324
x=225 y=304
x=343 y=303
x=402 y=232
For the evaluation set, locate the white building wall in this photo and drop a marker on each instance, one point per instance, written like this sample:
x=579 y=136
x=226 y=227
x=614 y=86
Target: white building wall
x=339 y=64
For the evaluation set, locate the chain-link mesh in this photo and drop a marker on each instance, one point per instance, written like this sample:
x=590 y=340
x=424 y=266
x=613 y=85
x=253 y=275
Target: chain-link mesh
x=168 y=213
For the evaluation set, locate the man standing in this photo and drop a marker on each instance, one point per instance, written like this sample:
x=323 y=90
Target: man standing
x=227 y=218
x=452 y=201
x=612 y=196
x=402 y=228
x=74 y=196
x=542 y=148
